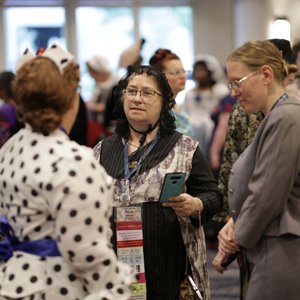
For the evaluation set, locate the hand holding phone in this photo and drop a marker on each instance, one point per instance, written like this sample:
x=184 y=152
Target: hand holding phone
x=173 y=186
x=229 y=259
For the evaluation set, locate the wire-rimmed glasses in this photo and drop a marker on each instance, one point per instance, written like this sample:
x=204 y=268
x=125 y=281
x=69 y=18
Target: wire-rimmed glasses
x=238 y=83
x=178 y=73
x=131 y=93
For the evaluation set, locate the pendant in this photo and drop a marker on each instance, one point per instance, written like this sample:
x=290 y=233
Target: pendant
x=125 y=197
x=132 y=164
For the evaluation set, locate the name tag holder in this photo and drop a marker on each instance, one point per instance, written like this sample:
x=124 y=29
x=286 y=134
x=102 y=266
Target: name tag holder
x=129 y=233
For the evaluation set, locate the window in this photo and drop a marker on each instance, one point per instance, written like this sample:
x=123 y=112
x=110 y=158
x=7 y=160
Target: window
x=105 y=27
x=172 y=29
x=31 y=28
x=108 y=32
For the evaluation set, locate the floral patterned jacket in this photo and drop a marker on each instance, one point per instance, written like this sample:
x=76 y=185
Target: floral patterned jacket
x=146 y=188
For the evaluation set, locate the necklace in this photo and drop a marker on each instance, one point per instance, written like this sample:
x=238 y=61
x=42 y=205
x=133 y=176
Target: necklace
x=135 y=146
x=138 y=147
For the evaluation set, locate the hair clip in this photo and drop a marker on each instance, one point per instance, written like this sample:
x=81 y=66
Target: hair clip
x=55 y=53
x=40 y=51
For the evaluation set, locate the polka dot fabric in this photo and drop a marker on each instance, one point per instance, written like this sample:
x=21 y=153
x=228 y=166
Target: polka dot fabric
x=53 y=188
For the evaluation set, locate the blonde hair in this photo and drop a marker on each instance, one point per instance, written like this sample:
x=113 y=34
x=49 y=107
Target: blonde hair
x=256 y=54
x=43 y=95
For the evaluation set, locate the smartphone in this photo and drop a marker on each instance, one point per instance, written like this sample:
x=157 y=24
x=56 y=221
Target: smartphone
x=229 y=259
x=195 y=289
x=173 y=186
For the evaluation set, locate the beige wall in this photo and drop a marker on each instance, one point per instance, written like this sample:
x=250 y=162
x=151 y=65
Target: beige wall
x=213 y=27
x=292 y=10
x=251 y=20
x=222 y=25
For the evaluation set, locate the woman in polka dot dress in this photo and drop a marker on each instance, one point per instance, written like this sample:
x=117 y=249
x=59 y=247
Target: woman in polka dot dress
x=54 y=195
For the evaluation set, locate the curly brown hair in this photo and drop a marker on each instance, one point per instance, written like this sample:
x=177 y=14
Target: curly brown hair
x=160 y=56
x=43 y=95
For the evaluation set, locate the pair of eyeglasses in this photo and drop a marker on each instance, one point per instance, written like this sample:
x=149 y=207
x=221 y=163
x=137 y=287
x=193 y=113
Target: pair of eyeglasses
x=179 y=73
x=238 y=83
x=145 y=94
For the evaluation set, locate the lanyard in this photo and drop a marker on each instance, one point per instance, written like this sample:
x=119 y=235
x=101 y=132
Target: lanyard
x=129 y=173
x=281 y=99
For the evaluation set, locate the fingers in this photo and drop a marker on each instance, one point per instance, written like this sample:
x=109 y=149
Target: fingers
x=180 y=208
x=227 y=245
x=175 y=202
x=182 y=204
x=218 y=261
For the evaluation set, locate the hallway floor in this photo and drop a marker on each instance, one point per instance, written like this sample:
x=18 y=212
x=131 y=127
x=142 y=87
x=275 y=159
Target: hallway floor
x=223 y=286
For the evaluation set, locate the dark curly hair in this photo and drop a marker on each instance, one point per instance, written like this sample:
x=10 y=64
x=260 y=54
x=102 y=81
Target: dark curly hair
x=201 y=63
x=166 y=120
x=6 y=79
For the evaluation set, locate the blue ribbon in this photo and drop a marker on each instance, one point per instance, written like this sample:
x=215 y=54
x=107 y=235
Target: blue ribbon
x=10 y=243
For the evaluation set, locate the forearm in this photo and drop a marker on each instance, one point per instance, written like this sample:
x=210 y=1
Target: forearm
x=218 y=140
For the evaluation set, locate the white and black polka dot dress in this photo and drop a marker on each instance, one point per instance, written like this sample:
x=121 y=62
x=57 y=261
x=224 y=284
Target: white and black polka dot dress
x=50 y=187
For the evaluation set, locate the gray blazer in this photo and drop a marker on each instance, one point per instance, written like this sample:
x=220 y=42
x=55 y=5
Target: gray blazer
x=264 y=186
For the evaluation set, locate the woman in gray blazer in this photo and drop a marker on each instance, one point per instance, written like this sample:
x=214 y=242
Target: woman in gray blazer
x=264 y=186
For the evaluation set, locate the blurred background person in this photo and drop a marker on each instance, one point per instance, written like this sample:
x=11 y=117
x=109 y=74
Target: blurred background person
x=296 y=53
x=200 y=101
x=144 y=148
x=79 y=131
x=294 y=86
x=105 y=79
x=209 y=117
x=9 y=123
x=131 y=56
x=220 y=116
x=169 y=63
x=55 y=198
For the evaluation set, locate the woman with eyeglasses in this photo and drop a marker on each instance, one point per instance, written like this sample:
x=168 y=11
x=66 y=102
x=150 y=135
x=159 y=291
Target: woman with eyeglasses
x=264 y=193
x=169 y=63
x=163 y=241
x=242 y=127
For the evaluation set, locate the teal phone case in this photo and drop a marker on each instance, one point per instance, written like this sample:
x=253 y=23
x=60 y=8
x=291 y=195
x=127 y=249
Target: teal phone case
x=173 y=186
